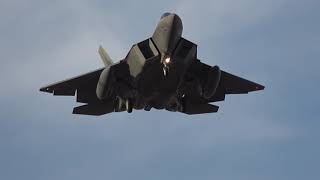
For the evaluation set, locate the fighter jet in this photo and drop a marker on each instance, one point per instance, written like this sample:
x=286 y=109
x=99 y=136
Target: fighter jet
x=161 y=72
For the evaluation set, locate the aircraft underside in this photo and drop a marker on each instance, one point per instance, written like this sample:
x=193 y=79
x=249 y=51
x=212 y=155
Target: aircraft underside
x=162 y=72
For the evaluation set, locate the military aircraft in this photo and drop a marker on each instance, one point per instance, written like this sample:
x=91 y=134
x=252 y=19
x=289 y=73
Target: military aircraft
x=161 y=72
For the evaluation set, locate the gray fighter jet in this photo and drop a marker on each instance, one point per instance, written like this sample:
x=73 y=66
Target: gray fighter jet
x=162 y=72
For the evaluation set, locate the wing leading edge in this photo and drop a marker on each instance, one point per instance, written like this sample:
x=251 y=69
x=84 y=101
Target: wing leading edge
x=84 y=86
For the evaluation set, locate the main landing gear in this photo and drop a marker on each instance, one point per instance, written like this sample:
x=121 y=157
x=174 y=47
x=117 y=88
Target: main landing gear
x=123 y=105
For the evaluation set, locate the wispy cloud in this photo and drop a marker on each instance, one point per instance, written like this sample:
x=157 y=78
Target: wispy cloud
x=49 y=42
x=218 y=17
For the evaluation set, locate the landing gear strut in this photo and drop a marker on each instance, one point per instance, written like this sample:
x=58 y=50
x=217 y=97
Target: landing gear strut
x=129 y=105
x=165 y=70
x=123 y=105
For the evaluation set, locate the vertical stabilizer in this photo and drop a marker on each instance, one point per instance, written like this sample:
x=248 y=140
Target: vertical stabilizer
x=105 y=57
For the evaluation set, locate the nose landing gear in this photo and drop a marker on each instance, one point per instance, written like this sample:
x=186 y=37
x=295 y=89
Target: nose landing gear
x=165 y=70
x=166 y=61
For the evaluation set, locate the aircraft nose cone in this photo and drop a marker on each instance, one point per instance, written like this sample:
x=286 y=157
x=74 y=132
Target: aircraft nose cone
x=168 y=32
x=172 y=20
x=165 y=15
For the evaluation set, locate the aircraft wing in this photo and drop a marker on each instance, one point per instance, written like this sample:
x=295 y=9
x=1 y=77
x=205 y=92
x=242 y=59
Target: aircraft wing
x=236 y=85
x=229 y=84
x=84 y=86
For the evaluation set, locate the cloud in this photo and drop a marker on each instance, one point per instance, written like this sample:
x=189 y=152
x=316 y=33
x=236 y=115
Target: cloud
x=253 y=136
x=50 y=45
x=218 y=17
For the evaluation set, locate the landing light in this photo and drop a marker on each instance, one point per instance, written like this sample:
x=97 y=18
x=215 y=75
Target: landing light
x=167 y=60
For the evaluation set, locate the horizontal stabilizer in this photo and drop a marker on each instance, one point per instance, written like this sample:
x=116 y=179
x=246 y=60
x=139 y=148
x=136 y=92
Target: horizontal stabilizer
x=200 y=108
x=94 y=109
x=105 y=57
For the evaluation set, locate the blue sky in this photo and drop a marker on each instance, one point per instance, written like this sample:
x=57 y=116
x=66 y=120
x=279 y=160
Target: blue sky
x=268 y=135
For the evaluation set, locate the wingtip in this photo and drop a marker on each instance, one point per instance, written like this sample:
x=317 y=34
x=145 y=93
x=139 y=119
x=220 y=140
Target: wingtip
x=46 y=89
x=259 y=88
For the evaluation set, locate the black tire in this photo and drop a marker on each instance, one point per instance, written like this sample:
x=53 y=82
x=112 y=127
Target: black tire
x=129 y=106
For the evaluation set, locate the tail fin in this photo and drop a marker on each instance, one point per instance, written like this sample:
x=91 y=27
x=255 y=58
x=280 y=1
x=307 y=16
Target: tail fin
x=105 y=57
